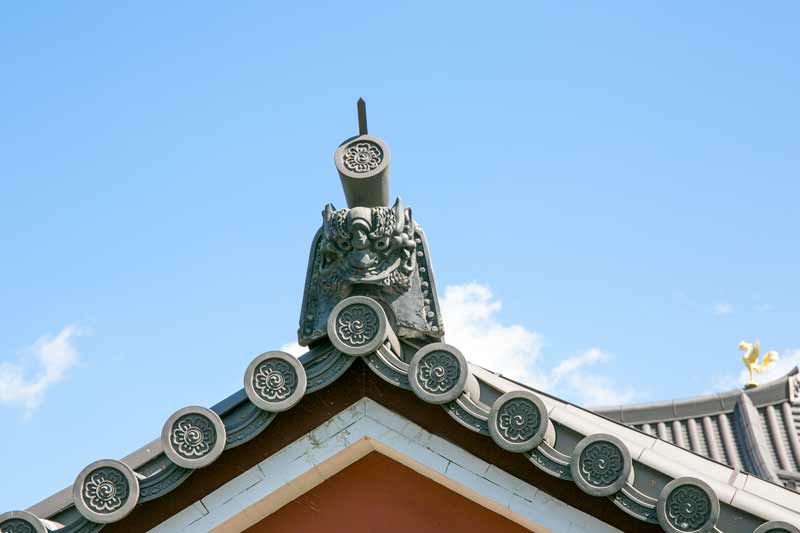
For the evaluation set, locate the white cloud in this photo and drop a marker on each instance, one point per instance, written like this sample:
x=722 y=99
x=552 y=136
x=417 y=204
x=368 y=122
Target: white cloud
x=571 y=364
x=723 y=308
x=594 y=390
x=515 y=351
x=293 y=348
x=51 y=359
x=470 y=325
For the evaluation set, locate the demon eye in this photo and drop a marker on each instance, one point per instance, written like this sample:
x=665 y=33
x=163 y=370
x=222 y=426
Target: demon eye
x=382 y=244
x=344 y=245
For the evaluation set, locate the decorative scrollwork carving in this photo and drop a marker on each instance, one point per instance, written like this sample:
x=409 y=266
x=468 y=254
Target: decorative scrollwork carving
x=362 y=157
x=20 y=522
x=326 y=367
x=438 y=373
x=105 y=491
x=357 y=324
x=688 y=508
x=16 y=526
x=687 y=505
x=275 y=381
x=163 y=482
x=601 y=464
x=466 y=418
x=193 y=437
x=634 y=507
x=518 y=421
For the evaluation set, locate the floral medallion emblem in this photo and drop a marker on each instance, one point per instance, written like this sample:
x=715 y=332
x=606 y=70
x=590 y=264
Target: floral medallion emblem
x=438 y=372
x=362 y=157
x=357 y=324
x=518 y=420
x=20 y=522
x=688 y=508
x=601 y=464
x=105 y=490
x=16 y=526
x=193 y=436
x=274 y=380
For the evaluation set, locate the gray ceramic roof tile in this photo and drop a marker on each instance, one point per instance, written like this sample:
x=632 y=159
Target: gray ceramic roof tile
x=767 y=444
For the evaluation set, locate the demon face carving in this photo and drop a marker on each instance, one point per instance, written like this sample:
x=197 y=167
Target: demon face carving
x=367 y=245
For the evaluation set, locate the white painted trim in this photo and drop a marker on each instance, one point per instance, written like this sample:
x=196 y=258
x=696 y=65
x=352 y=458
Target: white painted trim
x=364 y=427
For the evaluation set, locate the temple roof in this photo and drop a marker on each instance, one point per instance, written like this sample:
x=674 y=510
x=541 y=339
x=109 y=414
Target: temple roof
x=656 y=461
x=756 y=430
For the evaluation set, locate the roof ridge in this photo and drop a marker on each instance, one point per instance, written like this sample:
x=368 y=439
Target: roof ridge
x=772 y=392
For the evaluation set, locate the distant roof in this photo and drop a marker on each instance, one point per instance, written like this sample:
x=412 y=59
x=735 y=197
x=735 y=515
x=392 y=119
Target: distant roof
x=756 y=430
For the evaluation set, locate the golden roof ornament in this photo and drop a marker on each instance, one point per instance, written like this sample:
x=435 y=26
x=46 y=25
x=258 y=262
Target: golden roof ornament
x=750 y=360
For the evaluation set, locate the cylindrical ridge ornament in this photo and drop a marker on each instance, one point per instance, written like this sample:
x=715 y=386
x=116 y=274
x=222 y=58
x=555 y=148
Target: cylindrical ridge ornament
x=601 y=464
x=275 y=381
x=518 y=421
x=363 y=166
x=21 y=522
x=358 y=326
x=688 y=505
x=438 y=373
x=193 y=437
x=106 y=491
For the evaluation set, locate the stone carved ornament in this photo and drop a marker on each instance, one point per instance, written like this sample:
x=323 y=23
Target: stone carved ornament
x=367 y=245
x=371 y=251
x=357 y=325
x=275 y=381
x=362 y=157
x=16 y=526
x=193 y=437
x=687 y=505
x=601 y=464
x=518 y=420
x=20 y=522
x=688 y=508
x=105 y=490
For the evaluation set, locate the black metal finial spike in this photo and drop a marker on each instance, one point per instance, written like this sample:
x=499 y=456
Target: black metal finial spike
x=362 y=116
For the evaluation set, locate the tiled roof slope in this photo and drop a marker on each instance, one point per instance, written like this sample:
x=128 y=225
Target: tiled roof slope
x=755 y=430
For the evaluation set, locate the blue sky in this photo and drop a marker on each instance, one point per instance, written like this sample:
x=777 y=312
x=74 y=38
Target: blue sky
x=610 y=192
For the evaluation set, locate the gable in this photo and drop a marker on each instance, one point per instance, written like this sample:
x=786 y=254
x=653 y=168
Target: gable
x=357 y=430
x=377 y=493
